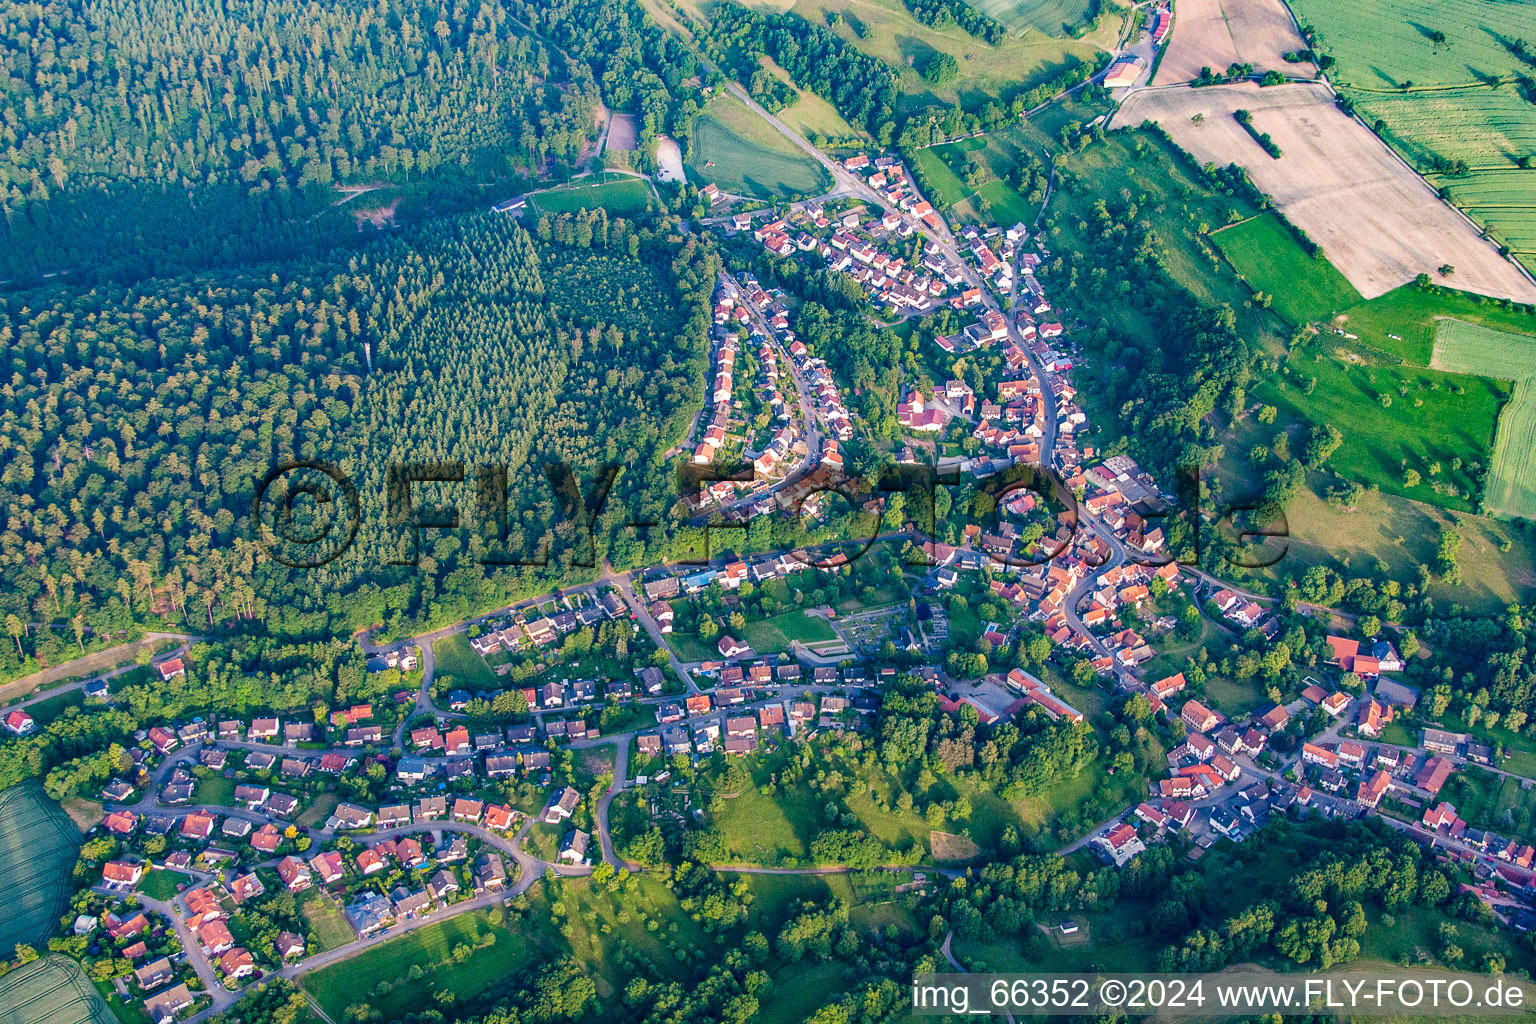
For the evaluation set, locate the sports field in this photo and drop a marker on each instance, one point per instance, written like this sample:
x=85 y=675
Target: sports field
x=624 y=196
x=38 y=846
x=745 y=155
x=1268 y=256
x=52 y=990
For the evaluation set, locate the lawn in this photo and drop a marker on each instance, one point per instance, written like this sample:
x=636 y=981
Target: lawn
x=769 y=636
x=326 y=922
x=458 y=661
x=38 y=847
x=431 y=948
x=1267 y=255
x=213 y=790
x=743 y=154
x=620 y=195
x=163 y=884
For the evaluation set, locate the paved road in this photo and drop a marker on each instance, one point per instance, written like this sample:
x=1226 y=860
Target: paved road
x=620 y=782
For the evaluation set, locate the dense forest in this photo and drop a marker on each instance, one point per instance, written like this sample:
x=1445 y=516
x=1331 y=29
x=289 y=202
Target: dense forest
x=138 y=419
x=139 y=135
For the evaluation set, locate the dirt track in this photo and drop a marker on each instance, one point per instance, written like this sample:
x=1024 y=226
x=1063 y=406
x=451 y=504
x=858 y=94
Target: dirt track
x=1376 y=220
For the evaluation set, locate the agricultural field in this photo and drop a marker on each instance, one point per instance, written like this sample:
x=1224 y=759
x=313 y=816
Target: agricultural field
x=1267 y=255
x=1484 y=126
x=1512 y=477
x=620 y=195
x=52 y=990
x=745 y=155
x=1379 y=224
x=38 y=846
x=1381 y=44
x=1217 y=33
x=1462 y=347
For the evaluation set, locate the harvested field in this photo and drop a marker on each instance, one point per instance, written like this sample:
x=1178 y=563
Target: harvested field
x=38 y=845
x=53 y=990
x=622 y=133
x=1376 y=220
x=1219 y=33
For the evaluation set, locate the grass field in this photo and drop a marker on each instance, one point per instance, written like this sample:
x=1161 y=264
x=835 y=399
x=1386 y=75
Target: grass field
x=38 y=846
x=995 y=201
x=214 y=790
x=160 y=884
x=813 y=117
x=744 y=155
x=621 y=195
x=52 y=990
x=325 y=920
x=1267 y=255
x=1032 y=52
x=457 y=659
x=1462 y=347
x=1053 y=17
x=354 y=980
x=1380 y=44
x=769 y=636
x=1428 y=425
x=1512 y=476
x=1473 y=348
